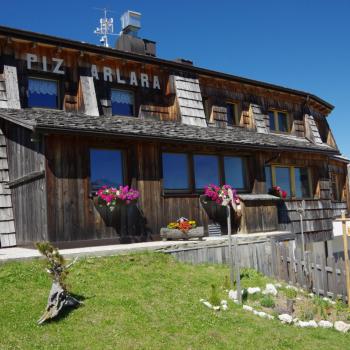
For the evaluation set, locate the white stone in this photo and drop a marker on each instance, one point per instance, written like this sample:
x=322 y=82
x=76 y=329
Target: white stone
x=253 y=290
x=223 y=302
x=270 y=289
x=325 y=324
x=296 y=320
x=262 y=314
x=307 y=324
x=311 y=295
x=247 y=308
x=270 y=317
x=207 y=304
x=255 y=312
x=236 y=301
x=232 y=294
x=224 y=307
x=202 y=300
x=216 y=308
x=285 y=318
x=278 y=285
x=341 y=326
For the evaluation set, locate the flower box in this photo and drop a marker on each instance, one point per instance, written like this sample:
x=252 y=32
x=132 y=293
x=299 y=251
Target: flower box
x=176 y=234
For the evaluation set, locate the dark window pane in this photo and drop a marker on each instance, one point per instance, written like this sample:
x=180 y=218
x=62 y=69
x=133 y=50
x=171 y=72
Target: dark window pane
x=206 y=170
x=302 y=188
x=42 y=93
x=234 y=172
x=106 y=168
x=122 y=103
x=272 y=120
x=175 y=171
x=268 y=177
x=231 y=114
x=283 y=179
x=283 y=122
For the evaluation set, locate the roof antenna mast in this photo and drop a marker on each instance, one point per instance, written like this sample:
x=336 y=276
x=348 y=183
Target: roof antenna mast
x=106 y=27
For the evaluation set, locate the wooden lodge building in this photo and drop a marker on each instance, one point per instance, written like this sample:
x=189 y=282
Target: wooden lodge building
x=75 y=116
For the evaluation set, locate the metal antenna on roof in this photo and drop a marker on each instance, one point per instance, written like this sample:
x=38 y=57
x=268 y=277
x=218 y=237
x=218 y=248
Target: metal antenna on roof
x=106 y=27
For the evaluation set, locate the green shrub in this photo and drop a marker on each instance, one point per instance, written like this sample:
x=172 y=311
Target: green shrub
x=267 y=301
x=214 y=298
x=290 y=293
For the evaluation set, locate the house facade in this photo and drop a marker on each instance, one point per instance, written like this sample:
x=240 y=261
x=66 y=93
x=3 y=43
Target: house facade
x=76 y=116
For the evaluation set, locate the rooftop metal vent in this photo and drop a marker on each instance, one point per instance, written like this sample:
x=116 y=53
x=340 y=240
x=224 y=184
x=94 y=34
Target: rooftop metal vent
x=131 y=22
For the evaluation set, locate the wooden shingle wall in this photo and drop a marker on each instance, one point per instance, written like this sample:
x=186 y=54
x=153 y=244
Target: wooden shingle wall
x=260 y=119
x=7 y=225
x=189 y=100
x=311 y=130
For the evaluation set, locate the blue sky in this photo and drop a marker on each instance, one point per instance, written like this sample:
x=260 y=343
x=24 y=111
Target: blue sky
x=302 y=44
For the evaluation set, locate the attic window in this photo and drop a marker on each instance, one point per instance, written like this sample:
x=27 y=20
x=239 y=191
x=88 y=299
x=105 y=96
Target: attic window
x=42 y=93
x=279 y=121
x=232 y=115
x=122 y=103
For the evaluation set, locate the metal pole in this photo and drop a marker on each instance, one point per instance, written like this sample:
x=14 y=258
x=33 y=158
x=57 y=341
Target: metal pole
x=230 y=244
x=346 y=257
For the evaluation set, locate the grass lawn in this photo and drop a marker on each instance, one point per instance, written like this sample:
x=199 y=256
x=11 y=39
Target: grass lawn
x=140 y=301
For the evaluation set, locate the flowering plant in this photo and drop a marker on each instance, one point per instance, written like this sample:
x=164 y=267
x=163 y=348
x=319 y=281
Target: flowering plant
x=111 y=196
x=278 y=192
x=219 y=194
x=183 y=225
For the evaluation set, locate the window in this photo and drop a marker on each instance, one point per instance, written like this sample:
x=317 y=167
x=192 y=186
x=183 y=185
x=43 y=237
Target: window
x=122 y=102
x=279 y=121
x=234 y=171
x=42 y=93
x=206 y=170
x=175 y=171
x=231 y=111
x=183 y=172
x=294 y=180
x=302 y=185
x=106 y=168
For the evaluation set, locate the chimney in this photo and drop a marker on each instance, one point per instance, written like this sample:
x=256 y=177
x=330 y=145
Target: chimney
x=129 y=40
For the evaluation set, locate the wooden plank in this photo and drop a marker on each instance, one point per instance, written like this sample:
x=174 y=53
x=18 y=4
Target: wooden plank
x=12 y=90
x=89 y=95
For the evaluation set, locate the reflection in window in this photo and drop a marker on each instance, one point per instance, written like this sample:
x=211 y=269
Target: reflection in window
x=42 y=93
x=122 y=102
x=302 y=186
x=206 y=170
x=231 y=114
x=282 y=175
x=106 y=168
x=282 y=122
x=234 y=172
x=272 y=120
x=175 y=171
x=268 y=178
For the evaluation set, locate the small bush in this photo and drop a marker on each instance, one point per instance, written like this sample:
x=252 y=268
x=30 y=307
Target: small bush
x=306 y=313
x=267 y=301
x=227 y=285
x=290 y=293
x=214 y=298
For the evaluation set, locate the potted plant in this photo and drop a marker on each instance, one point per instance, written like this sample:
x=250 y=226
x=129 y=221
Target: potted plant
x=278 y=192
x=214 y=201
x=112 y=197
x=182 y=229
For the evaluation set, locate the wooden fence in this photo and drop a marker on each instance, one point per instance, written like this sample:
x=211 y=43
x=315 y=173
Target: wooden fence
x=280 y=260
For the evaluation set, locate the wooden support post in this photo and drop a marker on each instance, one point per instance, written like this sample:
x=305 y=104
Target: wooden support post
x=346 y=257
x=230 y=245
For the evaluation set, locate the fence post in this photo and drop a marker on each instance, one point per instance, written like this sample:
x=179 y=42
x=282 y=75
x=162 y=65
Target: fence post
x=346 y=256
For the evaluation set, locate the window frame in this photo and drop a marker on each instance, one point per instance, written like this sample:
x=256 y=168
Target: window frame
x=130 y=91
x=123 y=164
x=275 y=115
x=292 y=179
x=59 y=92
x=192 y=191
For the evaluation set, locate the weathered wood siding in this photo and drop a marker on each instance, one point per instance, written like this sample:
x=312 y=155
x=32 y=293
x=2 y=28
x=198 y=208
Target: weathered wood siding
x=26 y=162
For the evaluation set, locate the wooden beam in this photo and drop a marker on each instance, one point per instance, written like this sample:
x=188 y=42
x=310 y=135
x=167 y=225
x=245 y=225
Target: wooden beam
x=27 y=178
